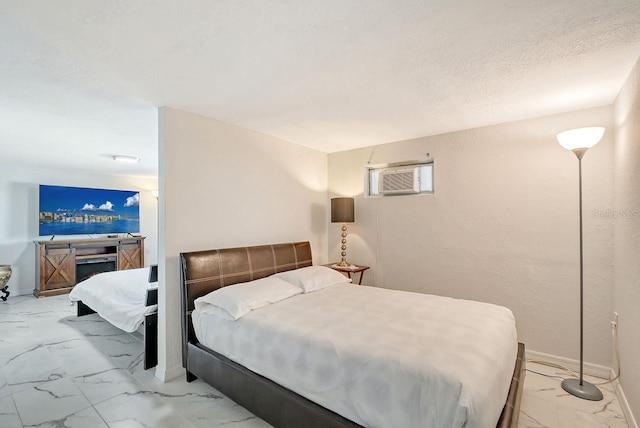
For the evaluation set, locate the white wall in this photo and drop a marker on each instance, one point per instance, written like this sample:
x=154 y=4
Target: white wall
x=225 y=186
x=627 y=234
x=19 y=214
x=502 y=226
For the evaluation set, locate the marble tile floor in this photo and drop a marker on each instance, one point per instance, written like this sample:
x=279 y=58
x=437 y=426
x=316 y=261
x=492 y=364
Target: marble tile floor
x=62 y=371
x=545 y=404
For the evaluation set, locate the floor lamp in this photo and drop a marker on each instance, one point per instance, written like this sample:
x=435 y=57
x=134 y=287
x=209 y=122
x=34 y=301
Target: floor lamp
x=579 y=141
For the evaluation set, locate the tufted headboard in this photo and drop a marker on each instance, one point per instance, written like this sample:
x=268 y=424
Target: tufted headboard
x=204 y=271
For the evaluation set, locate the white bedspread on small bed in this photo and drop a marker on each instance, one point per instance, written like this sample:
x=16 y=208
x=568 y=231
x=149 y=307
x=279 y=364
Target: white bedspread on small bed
x=118 y=296
x=381 y=358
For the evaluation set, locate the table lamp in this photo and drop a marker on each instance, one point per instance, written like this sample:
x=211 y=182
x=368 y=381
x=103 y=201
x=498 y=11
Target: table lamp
x=342 y=211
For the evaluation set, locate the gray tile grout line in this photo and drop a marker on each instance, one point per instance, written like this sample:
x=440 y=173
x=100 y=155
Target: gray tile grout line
x=17 y=411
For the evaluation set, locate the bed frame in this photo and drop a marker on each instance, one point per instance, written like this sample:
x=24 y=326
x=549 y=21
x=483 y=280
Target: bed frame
x=205 y=271
x=150 y=327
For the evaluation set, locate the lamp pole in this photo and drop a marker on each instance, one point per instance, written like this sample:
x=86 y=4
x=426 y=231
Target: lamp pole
x=579 y=387
x=581 y=267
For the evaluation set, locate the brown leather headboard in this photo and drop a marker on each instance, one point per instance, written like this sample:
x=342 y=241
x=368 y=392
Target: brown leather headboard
x=204 y=271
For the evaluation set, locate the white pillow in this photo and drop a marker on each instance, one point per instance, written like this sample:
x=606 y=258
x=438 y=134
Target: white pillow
x=216 y=311
x=313 y=278
x=240 y=299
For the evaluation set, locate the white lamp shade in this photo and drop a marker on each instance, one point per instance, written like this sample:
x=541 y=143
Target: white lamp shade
x=581 y=138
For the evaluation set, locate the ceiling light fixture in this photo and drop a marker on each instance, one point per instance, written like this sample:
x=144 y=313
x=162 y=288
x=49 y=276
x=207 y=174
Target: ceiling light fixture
x=122 y=158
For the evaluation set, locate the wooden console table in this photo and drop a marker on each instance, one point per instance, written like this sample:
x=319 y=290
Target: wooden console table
x=57 y=262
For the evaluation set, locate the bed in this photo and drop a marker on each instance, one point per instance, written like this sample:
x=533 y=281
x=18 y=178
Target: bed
x=272 y=396
x=128 y=299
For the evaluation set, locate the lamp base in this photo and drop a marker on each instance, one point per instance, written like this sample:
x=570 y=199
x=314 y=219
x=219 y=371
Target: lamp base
x=343 y=264
x=587 y=390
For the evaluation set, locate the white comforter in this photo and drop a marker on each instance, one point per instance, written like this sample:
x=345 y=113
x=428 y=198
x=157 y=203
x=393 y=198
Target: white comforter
x=381 y=358
x=118 y=296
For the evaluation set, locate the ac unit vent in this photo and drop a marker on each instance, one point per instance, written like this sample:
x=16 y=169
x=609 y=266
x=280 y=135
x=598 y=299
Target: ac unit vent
x=399 y=181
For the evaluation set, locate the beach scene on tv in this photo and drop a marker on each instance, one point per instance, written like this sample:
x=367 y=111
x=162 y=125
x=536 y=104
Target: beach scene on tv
x=80 y=211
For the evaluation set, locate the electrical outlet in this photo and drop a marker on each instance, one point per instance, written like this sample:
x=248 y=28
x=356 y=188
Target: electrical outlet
x=614 y=322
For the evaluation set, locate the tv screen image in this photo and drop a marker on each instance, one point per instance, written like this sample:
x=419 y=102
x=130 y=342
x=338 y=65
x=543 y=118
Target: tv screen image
x=80 y=211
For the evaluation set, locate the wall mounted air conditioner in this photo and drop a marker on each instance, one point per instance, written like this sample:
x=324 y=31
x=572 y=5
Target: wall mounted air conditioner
x=399 y=181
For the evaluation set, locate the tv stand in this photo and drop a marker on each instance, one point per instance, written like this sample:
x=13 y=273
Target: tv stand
x=58 y=262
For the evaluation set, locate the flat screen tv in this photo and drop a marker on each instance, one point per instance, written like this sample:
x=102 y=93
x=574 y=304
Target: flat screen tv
x=81 y=211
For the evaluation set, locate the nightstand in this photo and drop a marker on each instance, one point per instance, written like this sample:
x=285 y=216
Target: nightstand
x=349 y=270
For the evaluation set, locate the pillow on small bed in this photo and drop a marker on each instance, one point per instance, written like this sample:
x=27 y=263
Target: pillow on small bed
x=239 y=299
x=313 y=278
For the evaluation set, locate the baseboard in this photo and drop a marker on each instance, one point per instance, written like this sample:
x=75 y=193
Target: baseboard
x=626 y=409
x=590 y=369
x=167 y=375
x=15 y=291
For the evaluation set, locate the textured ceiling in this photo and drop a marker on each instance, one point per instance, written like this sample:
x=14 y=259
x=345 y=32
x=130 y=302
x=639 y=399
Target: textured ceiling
x=81 y=80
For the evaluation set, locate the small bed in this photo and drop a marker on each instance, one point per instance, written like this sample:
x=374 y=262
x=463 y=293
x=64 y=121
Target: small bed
x=225 y=358
x=128 y=299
